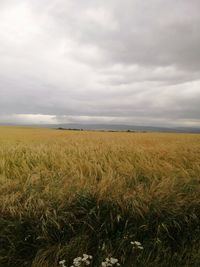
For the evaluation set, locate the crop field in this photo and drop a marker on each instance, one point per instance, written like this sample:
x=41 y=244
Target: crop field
x=68 y=193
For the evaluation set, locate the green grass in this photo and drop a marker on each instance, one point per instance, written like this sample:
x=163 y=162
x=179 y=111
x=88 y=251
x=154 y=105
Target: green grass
x=63 y=194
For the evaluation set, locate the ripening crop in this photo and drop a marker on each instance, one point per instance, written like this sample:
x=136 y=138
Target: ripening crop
x=68 y=193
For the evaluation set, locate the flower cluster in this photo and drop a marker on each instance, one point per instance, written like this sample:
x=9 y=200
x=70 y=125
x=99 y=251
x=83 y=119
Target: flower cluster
x=62 y=263
x=109 y=262
x=137 y=244
x=85 y=260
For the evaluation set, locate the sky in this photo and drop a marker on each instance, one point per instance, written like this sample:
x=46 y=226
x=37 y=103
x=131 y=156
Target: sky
x=100 y=61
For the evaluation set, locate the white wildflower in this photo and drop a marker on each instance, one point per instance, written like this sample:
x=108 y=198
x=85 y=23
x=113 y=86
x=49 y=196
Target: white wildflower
x=113 y=260
x=110 y=262
x=85 y=256
x=85 y=260
x=137 y=244
x=62 y=262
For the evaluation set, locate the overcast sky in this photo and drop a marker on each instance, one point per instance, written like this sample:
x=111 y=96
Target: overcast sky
x=107 y=61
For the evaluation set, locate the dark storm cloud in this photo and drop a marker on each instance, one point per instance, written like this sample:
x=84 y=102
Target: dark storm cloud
x=100 y=61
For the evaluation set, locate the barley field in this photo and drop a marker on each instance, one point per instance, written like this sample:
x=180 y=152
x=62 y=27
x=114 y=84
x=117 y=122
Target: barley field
x=68 y=193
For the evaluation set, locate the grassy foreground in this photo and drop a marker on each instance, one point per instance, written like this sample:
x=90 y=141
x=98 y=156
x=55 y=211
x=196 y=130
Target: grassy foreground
x=64 y=193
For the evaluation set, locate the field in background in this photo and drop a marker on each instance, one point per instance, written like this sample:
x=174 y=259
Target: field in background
x=65 y=193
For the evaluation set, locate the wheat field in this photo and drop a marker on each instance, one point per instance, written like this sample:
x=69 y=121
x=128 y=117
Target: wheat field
x=65 y=193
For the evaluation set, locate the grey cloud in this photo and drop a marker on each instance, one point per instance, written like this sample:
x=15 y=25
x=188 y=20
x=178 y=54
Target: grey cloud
x=156 y=33
x=114 y=61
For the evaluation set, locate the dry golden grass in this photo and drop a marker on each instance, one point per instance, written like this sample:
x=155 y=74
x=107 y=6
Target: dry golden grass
x=150 y=180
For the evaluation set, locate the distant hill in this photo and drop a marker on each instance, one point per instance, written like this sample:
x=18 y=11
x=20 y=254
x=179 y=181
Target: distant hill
x=118 y=127
x=113 y=127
